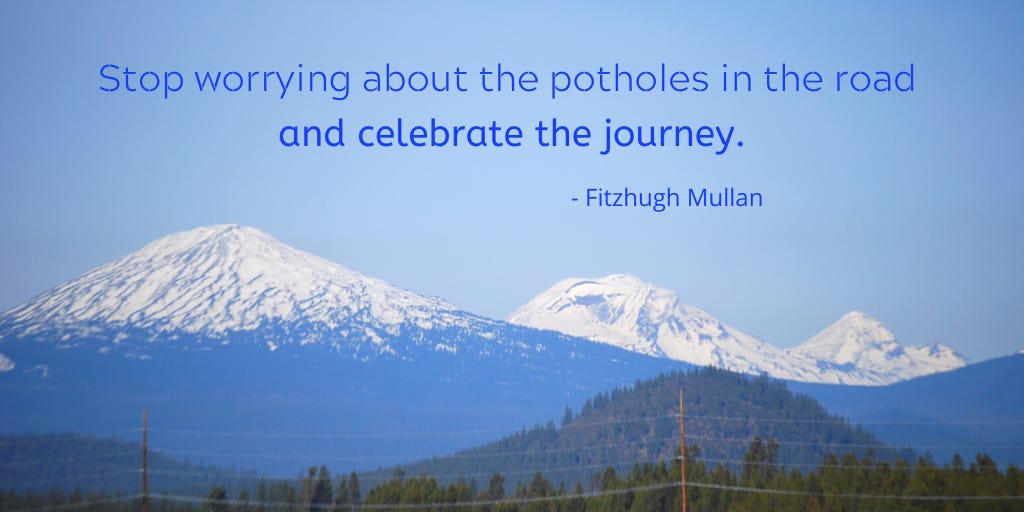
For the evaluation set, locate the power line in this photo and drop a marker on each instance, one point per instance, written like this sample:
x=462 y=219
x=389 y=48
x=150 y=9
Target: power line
x=462 y=504
x=384 y=478
x=540 y=499
x=894 y=497
x=572 y=425
x=457 y=455
x=424 y=433
x=299 y=435
x=844 y=421
x=550 y=470
x=509 y=453
x=96 y=457
x=482 y=453
x=860 y=445
x=598 y=494
x=93 y=475
x=380 y=476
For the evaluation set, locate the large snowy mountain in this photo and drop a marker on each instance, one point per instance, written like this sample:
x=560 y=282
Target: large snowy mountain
x=626 y=312
x=227 y=283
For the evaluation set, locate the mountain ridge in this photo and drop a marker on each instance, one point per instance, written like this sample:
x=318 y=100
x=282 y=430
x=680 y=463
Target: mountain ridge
x=625 y=311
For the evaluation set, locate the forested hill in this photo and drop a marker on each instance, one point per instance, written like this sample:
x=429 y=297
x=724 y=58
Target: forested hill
x=724 y=412
x=45 y=462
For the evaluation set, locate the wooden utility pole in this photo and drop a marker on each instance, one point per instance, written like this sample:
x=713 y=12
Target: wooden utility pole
x=682 y=446
x=145 y=450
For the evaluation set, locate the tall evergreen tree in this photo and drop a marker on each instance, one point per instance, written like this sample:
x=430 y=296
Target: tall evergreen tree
x=761 y=463
x=323 y=492
x=342 y=500
x=353 y=488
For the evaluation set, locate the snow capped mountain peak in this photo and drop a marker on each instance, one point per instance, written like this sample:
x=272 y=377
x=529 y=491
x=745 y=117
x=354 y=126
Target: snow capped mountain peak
x=614 y=300
x=607 y=309
x=848 y=337
x=216 y=279
x=858 y=340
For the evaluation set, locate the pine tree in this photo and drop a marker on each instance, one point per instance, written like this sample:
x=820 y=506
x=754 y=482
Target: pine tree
x=576 y=503
x=760 y=464
x=353 y=488
x=323 y=492
x=306 y=491
x=342 y=501
x=244 y=498
x=495 y=492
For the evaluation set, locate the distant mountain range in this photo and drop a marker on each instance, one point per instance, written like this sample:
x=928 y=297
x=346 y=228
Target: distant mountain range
x=231 y=284
x=972 y=409
x=624 y=311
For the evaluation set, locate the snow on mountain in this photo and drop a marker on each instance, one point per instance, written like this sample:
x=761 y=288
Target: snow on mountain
x=626 y=312
x=216 y=280
x=861 y=341
x=225 y=284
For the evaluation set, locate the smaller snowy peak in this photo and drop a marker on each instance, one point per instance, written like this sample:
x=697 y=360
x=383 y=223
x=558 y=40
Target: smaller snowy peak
x=848 y=338
x=6 y=364
x=859 y=340
x=619 y=309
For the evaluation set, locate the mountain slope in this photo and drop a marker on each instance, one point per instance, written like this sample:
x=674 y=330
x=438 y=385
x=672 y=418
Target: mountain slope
x=638 y=423
x=65 y=461
x=969 y=409
x=216 y=283
x=860 y=341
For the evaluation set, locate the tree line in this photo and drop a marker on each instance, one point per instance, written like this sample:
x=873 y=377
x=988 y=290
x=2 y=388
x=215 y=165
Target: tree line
x=759 y=482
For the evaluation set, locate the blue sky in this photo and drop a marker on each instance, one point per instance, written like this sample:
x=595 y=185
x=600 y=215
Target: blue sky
x=903 y=206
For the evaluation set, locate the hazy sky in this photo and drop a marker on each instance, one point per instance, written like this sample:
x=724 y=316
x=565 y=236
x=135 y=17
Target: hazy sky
x=901 y=205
